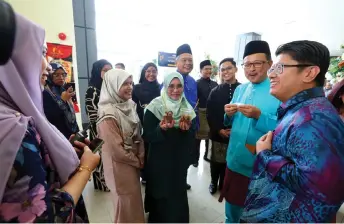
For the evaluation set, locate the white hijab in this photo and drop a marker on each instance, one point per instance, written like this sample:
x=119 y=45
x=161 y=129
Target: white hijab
x=111 y=105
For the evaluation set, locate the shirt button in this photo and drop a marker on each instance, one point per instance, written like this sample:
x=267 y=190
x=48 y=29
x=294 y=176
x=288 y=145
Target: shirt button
x=17 y=114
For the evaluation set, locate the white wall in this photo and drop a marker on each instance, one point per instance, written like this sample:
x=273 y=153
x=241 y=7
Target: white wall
x=317 y=20
x=55 y=17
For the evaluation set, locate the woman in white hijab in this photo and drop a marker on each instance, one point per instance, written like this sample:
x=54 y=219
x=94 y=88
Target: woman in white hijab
x=123 y=151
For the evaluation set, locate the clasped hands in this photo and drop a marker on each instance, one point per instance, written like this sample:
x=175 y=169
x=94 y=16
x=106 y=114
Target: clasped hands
x=247 y=110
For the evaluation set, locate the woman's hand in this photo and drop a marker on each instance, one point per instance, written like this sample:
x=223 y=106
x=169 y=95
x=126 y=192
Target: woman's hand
x=78 y=146
x=183 y=125
x=68 y=94
x=88 y=158
x=164 y=126
x=77 y=183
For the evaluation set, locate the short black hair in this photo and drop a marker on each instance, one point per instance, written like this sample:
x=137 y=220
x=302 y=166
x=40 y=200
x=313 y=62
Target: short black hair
x=231 y=60
x=308 y=52
x=121 y=65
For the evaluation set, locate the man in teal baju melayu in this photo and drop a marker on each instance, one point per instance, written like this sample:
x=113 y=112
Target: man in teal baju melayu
x=251 y=113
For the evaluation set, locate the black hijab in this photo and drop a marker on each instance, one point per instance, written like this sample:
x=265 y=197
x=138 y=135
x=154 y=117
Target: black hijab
x=148 y=90
x=96 y=79
x=143 y=72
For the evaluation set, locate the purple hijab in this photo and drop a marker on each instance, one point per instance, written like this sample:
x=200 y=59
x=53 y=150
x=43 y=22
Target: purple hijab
x=21 y=101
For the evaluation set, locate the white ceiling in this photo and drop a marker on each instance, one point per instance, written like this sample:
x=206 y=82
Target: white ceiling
x=213 y=25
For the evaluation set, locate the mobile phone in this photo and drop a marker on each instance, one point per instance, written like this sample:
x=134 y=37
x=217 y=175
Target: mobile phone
x=96 y=144
x=71 y=84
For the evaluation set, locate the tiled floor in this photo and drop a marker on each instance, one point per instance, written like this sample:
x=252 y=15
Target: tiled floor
x=204 y=208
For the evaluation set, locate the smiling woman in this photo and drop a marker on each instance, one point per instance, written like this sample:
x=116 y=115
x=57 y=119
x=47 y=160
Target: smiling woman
x=170 y=134
x=123 y=150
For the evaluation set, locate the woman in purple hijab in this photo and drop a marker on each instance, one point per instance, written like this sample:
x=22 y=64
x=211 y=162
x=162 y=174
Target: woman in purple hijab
x=41 y=177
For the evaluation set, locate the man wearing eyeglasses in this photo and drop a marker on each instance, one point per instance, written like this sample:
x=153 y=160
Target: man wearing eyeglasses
x=184 y=63
x=298 y=175
x=204 y=87
x=251 y=113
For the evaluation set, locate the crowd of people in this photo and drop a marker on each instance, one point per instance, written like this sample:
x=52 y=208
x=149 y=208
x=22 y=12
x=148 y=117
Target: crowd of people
x=275 y=143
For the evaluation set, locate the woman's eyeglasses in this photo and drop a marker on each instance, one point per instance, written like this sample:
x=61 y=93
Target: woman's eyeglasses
x=154 y=72
x=177 y=87
x=64 y=75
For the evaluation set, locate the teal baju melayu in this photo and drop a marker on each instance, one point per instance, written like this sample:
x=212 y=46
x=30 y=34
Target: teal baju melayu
x=244 y=135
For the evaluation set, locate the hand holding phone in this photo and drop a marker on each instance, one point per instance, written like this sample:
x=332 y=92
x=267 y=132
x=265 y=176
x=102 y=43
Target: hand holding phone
x=96 y=145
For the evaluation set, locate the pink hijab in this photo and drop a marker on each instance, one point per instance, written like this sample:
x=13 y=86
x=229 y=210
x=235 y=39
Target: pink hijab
x=21 y=101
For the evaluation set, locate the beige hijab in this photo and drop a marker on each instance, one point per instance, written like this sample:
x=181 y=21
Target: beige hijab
x=111 y=105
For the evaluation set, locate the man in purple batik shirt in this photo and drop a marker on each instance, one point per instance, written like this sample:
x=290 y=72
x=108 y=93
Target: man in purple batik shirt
x=298 y=175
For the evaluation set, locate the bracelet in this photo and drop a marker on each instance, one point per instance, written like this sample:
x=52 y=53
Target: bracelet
x=81 y=168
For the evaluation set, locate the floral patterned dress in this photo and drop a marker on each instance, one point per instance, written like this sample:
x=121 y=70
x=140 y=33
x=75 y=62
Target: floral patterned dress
x=33 y=191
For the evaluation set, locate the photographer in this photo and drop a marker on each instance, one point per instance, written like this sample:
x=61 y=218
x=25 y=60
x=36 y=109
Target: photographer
x=57 y=101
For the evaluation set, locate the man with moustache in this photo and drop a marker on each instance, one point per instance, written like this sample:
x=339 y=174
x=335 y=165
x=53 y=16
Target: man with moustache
x=219 y=134
x=184 y=64
x=251 y=113
x=204 y=86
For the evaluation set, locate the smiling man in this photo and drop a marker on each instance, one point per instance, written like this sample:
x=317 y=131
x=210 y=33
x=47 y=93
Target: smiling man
x=184 y=63
x=251 y=113
x=204 y=86
x=219 y=134
x=299 y=172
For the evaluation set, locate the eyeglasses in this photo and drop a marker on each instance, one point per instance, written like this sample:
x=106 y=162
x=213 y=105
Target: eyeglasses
x=154 y=72
x=173 y=87
x=279 y=67
x=226 y=69
x=60 y=74
x=256 y=64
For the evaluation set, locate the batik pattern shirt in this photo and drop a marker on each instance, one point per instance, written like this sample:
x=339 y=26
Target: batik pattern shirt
x=33 y=191
x=301 y=179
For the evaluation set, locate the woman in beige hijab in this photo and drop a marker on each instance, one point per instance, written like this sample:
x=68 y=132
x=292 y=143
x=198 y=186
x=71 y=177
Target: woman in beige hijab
x=123 y=150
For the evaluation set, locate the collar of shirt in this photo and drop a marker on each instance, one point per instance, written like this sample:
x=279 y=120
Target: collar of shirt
x=299 y=98
x=206 y=79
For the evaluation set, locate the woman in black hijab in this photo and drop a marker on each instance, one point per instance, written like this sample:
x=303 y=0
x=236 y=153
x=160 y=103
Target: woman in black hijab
x=57 y=101
x=91 y=100
x=143 y=93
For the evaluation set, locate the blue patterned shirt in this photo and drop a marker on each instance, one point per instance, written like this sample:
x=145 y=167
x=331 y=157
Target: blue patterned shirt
x=301 y=179
x=190 y=91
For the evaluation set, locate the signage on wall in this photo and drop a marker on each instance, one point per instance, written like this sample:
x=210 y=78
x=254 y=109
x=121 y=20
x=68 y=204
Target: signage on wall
x=166 y=59
x=62 y=54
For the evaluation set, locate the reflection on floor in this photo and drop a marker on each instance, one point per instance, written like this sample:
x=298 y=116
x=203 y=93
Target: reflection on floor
x=204 y=208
